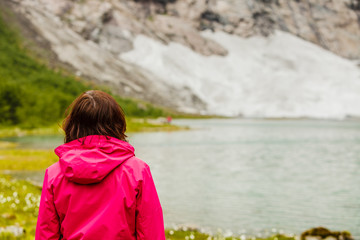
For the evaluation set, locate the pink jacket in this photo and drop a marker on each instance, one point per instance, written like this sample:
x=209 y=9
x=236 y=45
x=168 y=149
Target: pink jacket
x=99 y=190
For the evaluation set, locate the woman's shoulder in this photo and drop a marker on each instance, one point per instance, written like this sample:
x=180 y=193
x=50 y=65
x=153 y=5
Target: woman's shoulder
x=136 y=166
x=53 y=172
x=136 y=163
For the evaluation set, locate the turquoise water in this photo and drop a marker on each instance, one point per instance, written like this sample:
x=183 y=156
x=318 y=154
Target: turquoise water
x=252 y=175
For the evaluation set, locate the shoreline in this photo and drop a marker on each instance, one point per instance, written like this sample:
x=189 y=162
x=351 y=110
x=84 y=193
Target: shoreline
x=134 y=125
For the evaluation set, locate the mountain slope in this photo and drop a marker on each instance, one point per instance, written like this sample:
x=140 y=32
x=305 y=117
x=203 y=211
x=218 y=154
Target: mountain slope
x=31 y=94
x=158 y=52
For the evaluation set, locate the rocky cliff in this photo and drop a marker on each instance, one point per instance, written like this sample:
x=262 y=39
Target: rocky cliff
x=332 y=24
x=92 y=36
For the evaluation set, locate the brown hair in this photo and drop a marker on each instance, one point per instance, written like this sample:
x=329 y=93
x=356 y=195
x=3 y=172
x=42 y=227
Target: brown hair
x=94 y=113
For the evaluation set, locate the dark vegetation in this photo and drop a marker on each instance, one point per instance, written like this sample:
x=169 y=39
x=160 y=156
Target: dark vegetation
x=264 y=22
x=325 y=233
x=163 y=4
x=269 y=1
x=212 y=17
x=164 y=1
x=32 y=95
x=355 y=5
x=207 y=19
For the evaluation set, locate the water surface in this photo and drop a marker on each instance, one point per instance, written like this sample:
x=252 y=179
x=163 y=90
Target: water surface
x=256 y=174
x=253 y=174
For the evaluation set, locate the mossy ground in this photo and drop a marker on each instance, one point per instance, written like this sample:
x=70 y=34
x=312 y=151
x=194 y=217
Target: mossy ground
x=18 y=206
x=26 y=159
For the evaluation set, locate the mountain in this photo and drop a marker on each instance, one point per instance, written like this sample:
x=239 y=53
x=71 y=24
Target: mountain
x=252 y=58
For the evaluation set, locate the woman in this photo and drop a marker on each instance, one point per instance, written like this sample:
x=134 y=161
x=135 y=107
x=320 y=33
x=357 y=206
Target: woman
x=98 y=189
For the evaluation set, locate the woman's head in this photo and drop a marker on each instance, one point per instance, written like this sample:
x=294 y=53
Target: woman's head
x=94 y=113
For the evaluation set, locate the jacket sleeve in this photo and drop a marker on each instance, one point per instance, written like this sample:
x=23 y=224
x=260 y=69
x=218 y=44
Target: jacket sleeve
x=149 y=216
x=48 y=226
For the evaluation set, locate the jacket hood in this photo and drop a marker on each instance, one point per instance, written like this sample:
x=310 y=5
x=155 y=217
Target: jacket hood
x=90 y=159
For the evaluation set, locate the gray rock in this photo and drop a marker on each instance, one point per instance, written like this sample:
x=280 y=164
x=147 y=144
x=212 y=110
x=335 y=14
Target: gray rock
x=334 y=25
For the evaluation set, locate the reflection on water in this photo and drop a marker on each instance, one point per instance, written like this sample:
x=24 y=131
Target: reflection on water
x=256 y=174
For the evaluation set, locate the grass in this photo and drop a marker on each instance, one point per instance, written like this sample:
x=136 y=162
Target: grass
x=26 y=159
x=19 y=202
x=150 y=125
x=14 y=131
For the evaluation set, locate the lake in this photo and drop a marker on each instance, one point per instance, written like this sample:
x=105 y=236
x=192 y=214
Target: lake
x=253 y=175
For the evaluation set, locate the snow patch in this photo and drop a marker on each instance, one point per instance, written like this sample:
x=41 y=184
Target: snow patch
x=279 y=76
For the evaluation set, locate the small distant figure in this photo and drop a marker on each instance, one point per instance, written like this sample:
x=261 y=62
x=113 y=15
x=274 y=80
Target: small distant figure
x=168 y=119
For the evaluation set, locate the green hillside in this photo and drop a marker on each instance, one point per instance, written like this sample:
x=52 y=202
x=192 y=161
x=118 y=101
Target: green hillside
x=32 y=95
